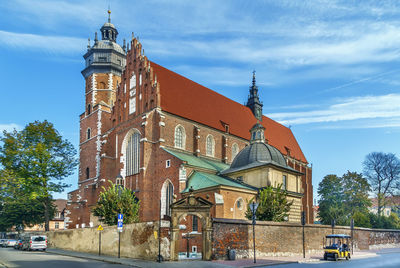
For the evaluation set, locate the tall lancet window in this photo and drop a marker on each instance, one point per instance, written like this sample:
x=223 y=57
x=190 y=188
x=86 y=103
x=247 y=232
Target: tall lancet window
x=180 y=137
x=133 y=154
x=235 y=150
x=210 y=145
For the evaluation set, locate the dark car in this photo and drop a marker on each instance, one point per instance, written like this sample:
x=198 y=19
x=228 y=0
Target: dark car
x=18 y=245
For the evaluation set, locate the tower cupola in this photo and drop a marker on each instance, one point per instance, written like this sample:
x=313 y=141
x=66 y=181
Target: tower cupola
x=253 y=101
x=106 y=55
x=108 y=30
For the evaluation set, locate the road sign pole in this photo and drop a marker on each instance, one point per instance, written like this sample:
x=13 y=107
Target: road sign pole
x=254 y=230
x=99 y=243
x=303 y=222
x=159 y=236
x=352 y=235
x=119 y=244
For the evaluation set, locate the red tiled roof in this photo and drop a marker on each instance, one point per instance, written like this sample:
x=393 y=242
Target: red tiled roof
x=188 y=99
x=60 y=204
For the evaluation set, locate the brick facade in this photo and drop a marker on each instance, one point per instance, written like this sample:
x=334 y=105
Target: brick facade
x=111 y=122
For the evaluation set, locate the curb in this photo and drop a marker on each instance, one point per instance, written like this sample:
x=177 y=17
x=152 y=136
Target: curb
x=91 y=258
x=269 y=264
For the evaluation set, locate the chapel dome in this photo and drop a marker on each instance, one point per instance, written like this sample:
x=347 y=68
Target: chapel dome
x=258 y=152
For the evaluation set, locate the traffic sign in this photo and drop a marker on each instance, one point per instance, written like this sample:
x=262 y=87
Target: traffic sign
x=120 y=222
x=100 y=228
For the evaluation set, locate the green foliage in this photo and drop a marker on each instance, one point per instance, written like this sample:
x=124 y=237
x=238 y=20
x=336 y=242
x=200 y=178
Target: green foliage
x=383 y=222
x=273 y=205
x=34 y=162
x=362 y=219
x=116 y=200
x=341 y=198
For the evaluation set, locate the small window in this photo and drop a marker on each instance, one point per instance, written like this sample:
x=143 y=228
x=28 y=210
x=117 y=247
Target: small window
x=56 y=225
x=195 y=226
x=210 y=145
x=235 y=150
x=284 y=182
x=167 y=163
x=88 y=133
x=89 y=109
x=180 y=137
x=239 y=204
x=87 y=173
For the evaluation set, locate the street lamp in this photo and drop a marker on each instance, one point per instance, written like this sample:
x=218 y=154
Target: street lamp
x=119 y=179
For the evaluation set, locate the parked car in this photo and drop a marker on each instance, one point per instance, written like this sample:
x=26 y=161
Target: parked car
x=34 y=242
x=11 y=243
x=18 y=245
x=3 y=242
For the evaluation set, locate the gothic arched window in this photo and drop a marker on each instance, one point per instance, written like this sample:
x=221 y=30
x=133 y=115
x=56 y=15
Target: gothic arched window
x=180 y=137
x=167 y=197
x=235 y=150
x=210 y=144
x=132 y=154
x=88 y=133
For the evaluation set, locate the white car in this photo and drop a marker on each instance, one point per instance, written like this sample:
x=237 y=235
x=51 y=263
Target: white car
x=11 y=243
x=34 y=242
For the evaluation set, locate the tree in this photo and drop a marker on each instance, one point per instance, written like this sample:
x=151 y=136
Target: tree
x=331 y=193
x=114 y=200
x=40 y=158
x=355 y=193
x=16 y=207
x=383 y=173
x=273 y=205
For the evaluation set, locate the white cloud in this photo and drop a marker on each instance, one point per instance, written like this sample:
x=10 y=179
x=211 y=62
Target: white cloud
x=9 y=127
x=50 y=44
x=383 y=107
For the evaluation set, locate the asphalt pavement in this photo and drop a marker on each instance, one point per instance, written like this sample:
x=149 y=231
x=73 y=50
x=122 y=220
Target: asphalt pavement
x=61 y=258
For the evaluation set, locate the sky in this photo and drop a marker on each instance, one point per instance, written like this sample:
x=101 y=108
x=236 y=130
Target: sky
x=329 y=70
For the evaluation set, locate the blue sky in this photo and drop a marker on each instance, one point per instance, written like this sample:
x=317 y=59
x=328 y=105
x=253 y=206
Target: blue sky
x=328 y=69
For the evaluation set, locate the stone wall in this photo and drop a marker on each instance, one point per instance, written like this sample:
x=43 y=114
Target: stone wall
x=279 y=239
x=137 y=240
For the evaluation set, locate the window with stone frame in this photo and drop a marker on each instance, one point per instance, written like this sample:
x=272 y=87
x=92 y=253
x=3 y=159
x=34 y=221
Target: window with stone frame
x=88 y=133
x=133 y=154
x=167 y=197
x=120 y=182
x=132 y=81
x=235 y=150
x=180 y=137
x=210 y=145
x=284 y=182
x=132 y=94
x=195 y=224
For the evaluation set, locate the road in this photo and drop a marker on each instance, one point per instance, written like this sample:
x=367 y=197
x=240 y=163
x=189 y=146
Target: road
x=10 y=257
x=387 y=258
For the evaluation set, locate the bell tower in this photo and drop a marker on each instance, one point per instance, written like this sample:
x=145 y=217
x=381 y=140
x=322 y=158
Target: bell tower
x=105 y=60
x=253 y=102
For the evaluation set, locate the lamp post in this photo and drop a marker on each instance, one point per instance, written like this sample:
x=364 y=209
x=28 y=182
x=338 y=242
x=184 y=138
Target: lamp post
x=119 y=179
x=253 y=207
x=303 y=222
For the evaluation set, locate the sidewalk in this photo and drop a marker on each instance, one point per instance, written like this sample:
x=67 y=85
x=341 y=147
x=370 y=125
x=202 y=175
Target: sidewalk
x=265 y=261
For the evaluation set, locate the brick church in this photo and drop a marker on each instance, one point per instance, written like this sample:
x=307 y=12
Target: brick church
x=162 y=135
